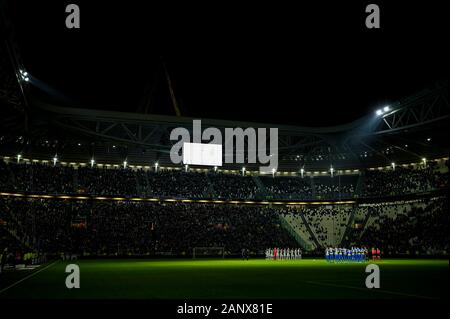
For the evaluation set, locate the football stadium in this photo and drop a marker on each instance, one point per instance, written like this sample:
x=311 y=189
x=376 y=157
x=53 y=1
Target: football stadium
x=158 y=200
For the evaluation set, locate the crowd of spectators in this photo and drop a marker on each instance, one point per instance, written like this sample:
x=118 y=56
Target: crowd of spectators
x=403 y=181
x=414 y=229
x=331 y=191
x=57 y=179
x=175 y=184
x=130 y=228
x=141 y=228
x=39 y=178
x=103 y=181
x=231 y=186
x=5 y=176
x=287 y=187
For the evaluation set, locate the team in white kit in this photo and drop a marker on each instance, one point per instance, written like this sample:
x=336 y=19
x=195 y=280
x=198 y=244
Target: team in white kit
x=283 y=253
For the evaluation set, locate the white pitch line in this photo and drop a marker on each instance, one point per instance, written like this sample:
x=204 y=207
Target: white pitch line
x=367 y=289
x=29 y=276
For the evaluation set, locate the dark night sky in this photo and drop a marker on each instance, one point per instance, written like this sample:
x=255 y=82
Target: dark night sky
x=312 y=65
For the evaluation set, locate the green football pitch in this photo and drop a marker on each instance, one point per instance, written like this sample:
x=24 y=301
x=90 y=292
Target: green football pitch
x=228 y=278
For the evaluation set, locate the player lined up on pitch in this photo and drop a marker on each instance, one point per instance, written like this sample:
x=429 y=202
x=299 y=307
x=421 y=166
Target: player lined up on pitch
x=354 y=254
x=283 y=253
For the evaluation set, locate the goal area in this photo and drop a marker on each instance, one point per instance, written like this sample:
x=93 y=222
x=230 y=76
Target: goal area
x=204 y=252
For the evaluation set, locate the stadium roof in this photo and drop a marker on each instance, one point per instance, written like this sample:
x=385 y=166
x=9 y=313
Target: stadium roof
x=412 y=129
x=45 y=124
x=272 y=64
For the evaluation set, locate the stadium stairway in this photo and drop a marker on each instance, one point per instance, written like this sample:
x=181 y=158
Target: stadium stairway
x=366 y=220
x=310 y=231
x=262 y=191
x=293 y=226
x=139 y=188
x=359 y=184
x=313 y=187
x=351 y=220
x=11 y=176
x=75 y=179
x=210 y=190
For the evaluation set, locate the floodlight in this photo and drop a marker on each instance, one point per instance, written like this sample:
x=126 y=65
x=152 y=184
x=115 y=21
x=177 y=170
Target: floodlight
x=379 y=112
x=386 y=109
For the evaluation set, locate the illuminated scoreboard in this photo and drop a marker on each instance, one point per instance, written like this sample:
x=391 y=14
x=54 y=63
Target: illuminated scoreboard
x=202 y=154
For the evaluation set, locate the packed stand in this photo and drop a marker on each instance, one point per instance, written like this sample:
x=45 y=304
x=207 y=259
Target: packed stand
x=287 y=187
x=41 y=178
x=103 y=181
x=403 y=181
x=418 y=228
x=137 y=228
x=230 y=186
x=336 y=187
x=176 y=183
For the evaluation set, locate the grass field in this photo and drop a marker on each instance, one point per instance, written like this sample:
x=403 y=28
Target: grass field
x=178 y=279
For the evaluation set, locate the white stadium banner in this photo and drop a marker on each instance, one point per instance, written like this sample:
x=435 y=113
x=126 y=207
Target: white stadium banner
x=202 y=154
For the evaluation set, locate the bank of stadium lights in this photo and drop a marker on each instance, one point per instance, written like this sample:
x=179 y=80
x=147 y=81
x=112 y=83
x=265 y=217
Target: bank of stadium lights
x=24 y=75
x=429 y=139
x=382 y=111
